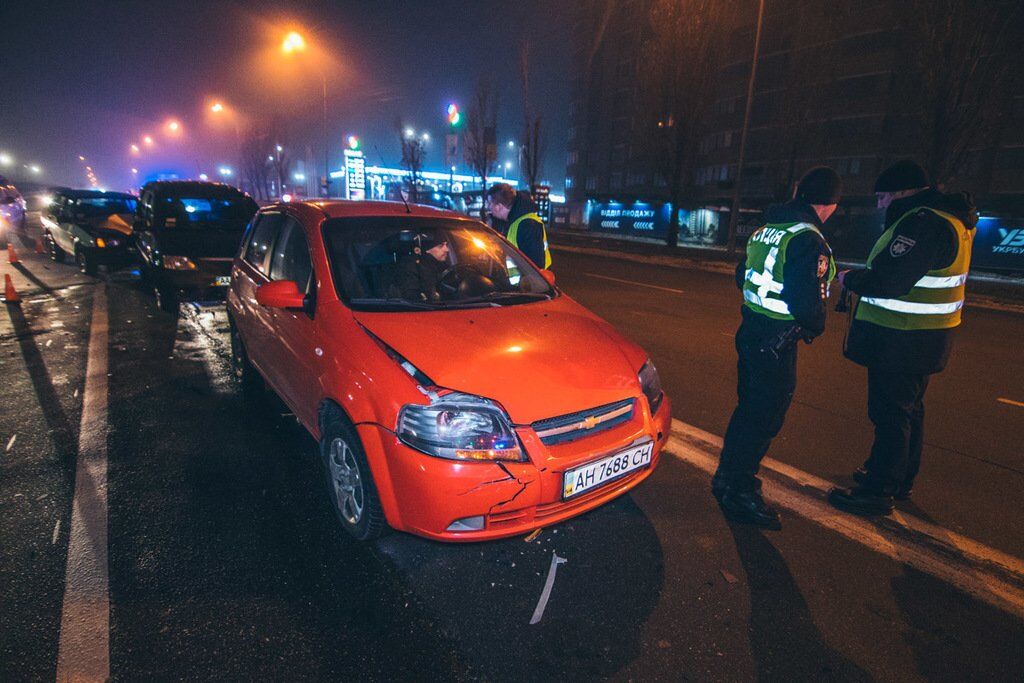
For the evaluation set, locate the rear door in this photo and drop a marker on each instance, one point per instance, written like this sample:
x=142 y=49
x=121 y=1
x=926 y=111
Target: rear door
x=254 y=322
x=297 y=338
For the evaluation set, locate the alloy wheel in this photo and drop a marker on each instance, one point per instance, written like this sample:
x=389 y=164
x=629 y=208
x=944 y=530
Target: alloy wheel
x=347 y=481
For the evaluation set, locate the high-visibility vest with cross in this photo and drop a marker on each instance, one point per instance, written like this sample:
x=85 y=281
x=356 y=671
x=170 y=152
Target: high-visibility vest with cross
x=766 y=267
x=513 y=234
x=936 y=300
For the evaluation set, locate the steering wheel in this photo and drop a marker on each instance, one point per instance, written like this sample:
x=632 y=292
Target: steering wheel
x=452 y=277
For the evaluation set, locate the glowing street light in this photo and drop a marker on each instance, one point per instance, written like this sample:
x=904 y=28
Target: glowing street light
x=135 y=171
x=203 y=177
x=147 y=139
x=6 y=159
x=299 y=177
x=410 y=133
x=511 y=144
x=173 y=127
x=217 y=107
x=35 y=169
x=81 y=158
x=279 y=148
x=293 y=42
x=135 y=149
x=224 y=171
x=426 y=137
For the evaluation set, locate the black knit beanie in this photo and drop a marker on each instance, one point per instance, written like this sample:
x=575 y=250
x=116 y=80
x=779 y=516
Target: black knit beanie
x=903 y=175
x=820 y=185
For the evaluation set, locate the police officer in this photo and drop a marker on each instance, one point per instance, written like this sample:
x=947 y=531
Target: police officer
x=911 y=296
x=525 y=227
x=785 y=283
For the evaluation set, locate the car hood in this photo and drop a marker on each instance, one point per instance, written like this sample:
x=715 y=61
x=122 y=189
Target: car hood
x=117 y=222
x=538 y=360
x=213 y=242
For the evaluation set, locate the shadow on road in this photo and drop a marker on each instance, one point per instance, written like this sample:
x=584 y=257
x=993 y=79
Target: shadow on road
x=786 y=643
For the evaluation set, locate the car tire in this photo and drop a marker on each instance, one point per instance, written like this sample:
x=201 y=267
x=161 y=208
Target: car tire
x=86 y=264
x=166 y=299
x=57 y=255
x=246 y=374
x=350 y=485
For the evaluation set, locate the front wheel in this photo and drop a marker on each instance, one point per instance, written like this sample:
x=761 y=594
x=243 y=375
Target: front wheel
x=350 y=485
x=56 y=253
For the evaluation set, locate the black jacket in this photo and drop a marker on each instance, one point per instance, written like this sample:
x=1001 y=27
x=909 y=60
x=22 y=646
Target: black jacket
x=530 y=237
x=802 y=286
x=419 y=277
x=933 y=245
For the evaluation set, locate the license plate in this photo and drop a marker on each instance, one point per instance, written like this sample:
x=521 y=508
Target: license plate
x=605 y=470
x=222 y=281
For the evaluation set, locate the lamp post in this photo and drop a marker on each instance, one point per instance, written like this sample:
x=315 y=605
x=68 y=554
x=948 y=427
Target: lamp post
x=294 y=43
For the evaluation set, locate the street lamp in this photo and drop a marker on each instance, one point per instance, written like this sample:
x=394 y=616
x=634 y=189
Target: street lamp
x=410 y=133
x=6 y=159
x=294 y=43
x=426 y=137
x=173 y=127
x=224 y=171
x=217 y=107
x=147 y=139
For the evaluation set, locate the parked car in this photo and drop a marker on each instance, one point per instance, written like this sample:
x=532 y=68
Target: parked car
x=12 y=212
x=186 y=234
x=463 y=398
x=91 y=226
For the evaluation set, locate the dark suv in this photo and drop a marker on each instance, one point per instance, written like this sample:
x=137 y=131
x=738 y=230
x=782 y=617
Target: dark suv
x=186 y=233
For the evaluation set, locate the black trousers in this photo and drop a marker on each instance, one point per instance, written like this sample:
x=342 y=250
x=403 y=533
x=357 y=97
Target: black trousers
x=896 y=408
x=765 y=389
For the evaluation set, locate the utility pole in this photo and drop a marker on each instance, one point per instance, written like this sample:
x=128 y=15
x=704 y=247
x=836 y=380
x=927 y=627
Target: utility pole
x=327 y=170
x=734 y=213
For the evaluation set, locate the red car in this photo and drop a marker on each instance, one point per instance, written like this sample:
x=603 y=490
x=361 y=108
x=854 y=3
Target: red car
x=455 y=392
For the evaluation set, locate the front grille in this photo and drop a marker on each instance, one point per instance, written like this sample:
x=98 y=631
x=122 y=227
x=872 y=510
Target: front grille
x=565 y=428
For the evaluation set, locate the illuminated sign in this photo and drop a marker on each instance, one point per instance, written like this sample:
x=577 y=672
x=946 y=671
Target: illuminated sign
x=637 y=219
x=355 y=175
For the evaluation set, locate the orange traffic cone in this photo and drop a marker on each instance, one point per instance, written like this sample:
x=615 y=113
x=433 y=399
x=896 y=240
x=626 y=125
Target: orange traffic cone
x=12 y=256
x=11 y=295
x=40 y=249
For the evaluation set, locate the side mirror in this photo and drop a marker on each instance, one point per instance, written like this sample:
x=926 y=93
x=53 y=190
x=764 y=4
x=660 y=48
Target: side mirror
x=549 y=276
x=280 y=294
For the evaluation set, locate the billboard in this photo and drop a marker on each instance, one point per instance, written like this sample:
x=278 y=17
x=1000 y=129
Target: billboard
x=635 y=219
x=999 y=244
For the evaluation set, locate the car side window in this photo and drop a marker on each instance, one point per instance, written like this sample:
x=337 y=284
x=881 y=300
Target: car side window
x=261 y=239
x=291 y=260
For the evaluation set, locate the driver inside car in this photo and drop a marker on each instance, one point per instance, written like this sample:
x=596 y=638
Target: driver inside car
x=419 y=273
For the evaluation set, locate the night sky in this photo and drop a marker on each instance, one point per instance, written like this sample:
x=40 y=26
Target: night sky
x=91 y=78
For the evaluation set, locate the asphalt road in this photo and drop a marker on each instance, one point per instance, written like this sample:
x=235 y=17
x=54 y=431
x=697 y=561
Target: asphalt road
x=224 y=561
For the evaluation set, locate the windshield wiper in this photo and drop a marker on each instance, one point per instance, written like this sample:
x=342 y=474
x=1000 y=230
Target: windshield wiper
x=511 y=297
x=419 y=305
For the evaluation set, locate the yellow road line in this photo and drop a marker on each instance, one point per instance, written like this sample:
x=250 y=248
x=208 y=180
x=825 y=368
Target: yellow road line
x=1010 y=403
x=636 y=284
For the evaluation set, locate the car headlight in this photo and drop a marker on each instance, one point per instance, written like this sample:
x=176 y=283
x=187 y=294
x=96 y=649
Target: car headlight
x=650 y=383
x=460 y=426
x=178 y=263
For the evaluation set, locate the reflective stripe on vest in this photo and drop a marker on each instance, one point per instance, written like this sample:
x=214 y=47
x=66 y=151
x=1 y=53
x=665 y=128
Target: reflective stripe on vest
x=513 y=235
x=935 y=301
x=766 y=257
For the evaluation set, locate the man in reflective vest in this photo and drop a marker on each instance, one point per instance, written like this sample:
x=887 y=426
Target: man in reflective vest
x=785 y=283
x=525 y=227
x=911 y=299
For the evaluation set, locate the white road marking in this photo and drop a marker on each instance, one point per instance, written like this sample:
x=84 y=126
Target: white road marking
x=549 y=583
x=636 y=284
x=10 y=444
x=84 y=648
x=1010 y=402
x=986 y=573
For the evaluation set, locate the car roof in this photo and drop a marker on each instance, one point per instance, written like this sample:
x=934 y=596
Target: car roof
x=191 y=186
x=79 y=194
x=344 y=208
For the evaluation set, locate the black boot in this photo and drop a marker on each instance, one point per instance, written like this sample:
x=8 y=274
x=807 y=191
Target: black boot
x=748 y=507
x=861 y=500
x=860 y=475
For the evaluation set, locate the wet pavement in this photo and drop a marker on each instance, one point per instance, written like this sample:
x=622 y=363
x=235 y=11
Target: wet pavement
x=225 y=560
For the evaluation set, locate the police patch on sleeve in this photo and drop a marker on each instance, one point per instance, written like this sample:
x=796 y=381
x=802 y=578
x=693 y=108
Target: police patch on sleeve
x=900 y=246
x=822 y=265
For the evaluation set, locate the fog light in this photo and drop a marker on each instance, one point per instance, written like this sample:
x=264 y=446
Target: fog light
x=467 y=524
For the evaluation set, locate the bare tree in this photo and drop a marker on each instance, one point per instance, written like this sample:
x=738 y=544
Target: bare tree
x=255 y=143
x=534 y=144
x=678 y=70
x=480 y=134
x=414 y=151
x=961 y=49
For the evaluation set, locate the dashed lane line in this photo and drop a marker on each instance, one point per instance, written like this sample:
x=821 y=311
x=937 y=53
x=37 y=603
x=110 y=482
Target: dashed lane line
x=1010 y=402
x=983 y=572
x=636 y=284
x=84 y=646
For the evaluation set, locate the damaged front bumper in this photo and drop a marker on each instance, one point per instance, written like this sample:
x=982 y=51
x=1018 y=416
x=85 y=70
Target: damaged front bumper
x=475 y=501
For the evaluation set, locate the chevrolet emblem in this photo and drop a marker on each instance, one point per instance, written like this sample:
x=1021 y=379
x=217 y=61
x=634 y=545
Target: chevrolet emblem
x=591 y=422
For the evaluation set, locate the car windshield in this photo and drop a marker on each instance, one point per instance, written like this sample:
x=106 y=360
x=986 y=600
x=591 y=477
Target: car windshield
x=411 y=263
x=185 y=212
x=104 y=206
